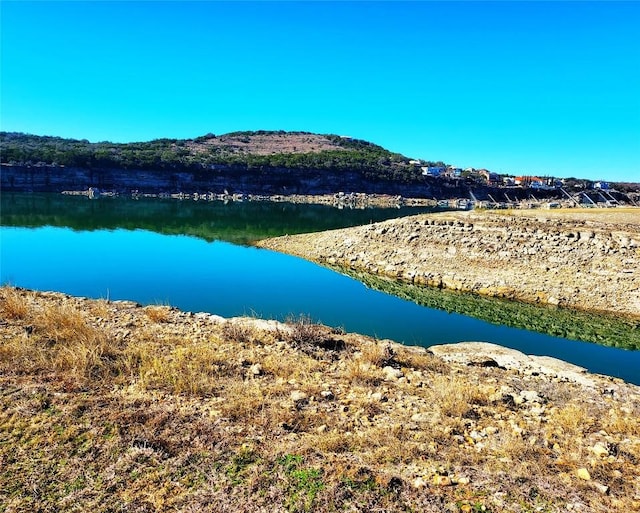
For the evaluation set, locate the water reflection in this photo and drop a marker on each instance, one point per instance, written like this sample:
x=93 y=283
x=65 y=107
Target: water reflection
x=240 y=222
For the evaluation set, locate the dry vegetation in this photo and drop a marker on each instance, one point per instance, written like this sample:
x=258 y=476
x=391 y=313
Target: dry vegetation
x=108 y=406
x=265 y=144
x=618 y=217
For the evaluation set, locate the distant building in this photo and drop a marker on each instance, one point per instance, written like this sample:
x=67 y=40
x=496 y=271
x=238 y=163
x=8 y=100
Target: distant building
x=432 y=170
x=489 y=177
x=530 y=181
x=537 y=183
x=453 y=172
x=601 y=185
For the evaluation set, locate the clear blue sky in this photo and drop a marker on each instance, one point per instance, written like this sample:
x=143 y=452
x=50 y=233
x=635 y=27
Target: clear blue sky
x=547 y=88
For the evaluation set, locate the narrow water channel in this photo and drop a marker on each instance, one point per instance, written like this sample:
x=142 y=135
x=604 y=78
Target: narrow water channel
x=229 y=279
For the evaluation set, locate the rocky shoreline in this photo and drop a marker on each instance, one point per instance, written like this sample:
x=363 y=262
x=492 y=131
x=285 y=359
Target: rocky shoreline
x=339 y=200
x=587 y=260
x=111 y=405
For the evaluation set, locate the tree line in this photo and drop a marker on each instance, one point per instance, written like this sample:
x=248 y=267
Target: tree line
x=371 y=161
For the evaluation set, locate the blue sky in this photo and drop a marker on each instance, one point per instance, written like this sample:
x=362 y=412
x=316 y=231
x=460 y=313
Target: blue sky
x=547 y=88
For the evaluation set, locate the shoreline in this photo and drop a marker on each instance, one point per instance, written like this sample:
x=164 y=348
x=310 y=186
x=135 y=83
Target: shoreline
x=572 y=259
x=133 y=405
x=338 y=200
x=353 y=200
x=469 y=353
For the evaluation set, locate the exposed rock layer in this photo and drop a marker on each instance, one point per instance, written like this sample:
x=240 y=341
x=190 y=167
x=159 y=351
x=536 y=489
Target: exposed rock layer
x=577 y=260
x=271 y=181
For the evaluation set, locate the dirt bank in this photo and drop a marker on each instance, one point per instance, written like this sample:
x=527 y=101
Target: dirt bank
x=110 y=406
x=584 y=259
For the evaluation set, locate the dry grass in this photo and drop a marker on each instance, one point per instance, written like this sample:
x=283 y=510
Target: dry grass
x=616 y=421
x=618 y=215
x=306 y=333
x=377 y=354
x=58 y=339
x=572 y=418
x=419 y=359
x=158 y=313
x=291 y=366
x=454 y=396
x=194 y=369
x=14 y=304
x=238 y=332
x=106 y=407
x=362 y=372
x=100 y=309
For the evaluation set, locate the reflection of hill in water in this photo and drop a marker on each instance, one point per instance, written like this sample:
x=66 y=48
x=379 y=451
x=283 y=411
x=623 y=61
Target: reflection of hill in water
x=240 y=223
x=570 y=324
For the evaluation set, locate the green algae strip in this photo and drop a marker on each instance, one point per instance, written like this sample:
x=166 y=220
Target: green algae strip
x=607 y=330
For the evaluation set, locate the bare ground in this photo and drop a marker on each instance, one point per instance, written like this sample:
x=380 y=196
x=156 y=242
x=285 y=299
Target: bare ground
x=109 y=406
x=266 y=144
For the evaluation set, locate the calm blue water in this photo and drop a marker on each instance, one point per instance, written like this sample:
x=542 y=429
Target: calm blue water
x=230 y=280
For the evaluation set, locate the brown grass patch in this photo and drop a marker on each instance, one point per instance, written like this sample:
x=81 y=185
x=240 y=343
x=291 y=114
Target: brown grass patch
x=100 y=308
x=191 y=368
x=102 y=407
x=386 y=444
x=572 y=418
x=234 y=331
x=291 y=365
x=60 y=339
x=378 y=354
x=14 y=304
x=307 y=335
x=158 y=313
x=362 y=372
x=454 y=396
x=420 y=359
x=618 y=421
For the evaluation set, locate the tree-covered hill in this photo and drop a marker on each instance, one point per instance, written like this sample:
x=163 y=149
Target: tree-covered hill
x=245 y=151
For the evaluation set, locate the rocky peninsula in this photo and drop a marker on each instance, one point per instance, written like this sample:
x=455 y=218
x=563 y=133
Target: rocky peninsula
x=108 y=405
x=587 y=259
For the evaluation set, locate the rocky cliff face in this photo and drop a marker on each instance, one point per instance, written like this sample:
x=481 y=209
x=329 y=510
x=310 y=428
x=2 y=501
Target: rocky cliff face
x=45 y=178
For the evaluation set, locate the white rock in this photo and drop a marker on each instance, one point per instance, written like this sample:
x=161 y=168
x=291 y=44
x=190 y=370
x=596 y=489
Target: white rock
x=600 y=450
x=517 y=399
x=583 y=473
x=530 y=396
x=420 y=417
x=390 y=373
x=419 y=483
x=297 y=396
x=377 y=396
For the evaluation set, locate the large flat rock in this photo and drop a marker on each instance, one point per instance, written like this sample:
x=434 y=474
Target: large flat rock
x=485 y=354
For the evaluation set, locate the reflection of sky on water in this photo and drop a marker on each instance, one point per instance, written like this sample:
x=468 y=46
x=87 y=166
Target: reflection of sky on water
x=232 y=280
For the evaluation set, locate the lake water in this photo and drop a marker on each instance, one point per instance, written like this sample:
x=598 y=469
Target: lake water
x=123 y=249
